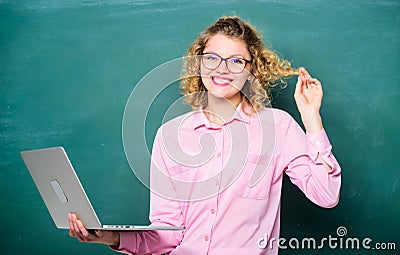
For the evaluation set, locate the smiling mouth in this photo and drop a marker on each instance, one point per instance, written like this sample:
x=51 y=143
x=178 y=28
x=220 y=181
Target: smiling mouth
x=221 y=81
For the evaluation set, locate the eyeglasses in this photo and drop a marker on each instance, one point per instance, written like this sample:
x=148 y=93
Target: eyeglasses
x=234 y=64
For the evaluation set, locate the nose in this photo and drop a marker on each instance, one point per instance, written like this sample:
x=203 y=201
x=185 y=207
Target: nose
x=223 y=67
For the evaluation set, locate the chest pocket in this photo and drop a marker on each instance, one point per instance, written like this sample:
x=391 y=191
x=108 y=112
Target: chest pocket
x=255 y=180
x=192 y=183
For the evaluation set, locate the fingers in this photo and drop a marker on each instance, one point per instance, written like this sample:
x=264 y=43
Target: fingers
x=312 y=83
x=82 y=229
x=304 y=73
x=303 y=81
x=306 y=80
x=304 y=76
x=299 y=86
x=308 y=90
x=71 y=227
x=74 y=229
x=99 y=232
x=78 y=230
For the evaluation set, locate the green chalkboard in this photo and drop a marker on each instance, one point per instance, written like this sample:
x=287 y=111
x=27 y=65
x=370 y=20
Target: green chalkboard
x=67 y=69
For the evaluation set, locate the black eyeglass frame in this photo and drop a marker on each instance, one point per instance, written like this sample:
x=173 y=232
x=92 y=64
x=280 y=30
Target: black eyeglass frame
x=225 y=59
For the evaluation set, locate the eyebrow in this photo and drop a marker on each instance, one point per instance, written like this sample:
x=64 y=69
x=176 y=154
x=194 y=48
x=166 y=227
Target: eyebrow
x=231 y=56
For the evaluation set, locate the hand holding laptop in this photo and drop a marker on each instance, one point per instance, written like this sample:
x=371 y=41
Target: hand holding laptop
x=63 y=193
x=76 y=229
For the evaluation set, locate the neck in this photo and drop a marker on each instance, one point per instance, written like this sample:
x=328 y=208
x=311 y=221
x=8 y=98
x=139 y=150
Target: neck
x=220 y=110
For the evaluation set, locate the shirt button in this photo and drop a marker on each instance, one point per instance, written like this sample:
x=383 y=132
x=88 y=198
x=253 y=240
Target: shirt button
x=219 y=154
x=217 y=183
x=206 y=238
x=318 y=143
x=212 y=211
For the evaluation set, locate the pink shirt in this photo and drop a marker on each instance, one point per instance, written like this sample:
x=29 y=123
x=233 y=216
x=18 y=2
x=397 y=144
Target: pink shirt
x=223 y=183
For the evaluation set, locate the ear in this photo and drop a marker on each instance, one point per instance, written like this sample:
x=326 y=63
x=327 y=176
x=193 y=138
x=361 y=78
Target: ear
x=247 y=75
x=250 y=77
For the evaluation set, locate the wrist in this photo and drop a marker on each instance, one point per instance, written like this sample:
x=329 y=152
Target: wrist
x=312 y=122
x=116 y=239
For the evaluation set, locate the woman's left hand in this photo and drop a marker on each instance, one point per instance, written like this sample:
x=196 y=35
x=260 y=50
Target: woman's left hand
x=308 y=96
x=77 y=230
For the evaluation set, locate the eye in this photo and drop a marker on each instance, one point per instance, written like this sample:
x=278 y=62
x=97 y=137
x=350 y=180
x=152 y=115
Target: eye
x=211 y=57
x=236 y=61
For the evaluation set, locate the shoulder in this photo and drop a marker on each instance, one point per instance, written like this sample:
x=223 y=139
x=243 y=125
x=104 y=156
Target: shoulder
x=286 y=130
x=182 y=121
x=280 y=120
x=279 y=116
x=277 y=112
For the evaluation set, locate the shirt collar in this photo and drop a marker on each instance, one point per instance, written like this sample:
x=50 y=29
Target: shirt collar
x=200 y=119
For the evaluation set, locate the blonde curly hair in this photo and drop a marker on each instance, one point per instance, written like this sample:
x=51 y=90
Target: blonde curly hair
x=267 y=68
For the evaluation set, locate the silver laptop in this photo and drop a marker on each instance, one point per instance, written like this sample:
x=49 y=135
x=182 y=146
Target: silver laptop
x=63 y=193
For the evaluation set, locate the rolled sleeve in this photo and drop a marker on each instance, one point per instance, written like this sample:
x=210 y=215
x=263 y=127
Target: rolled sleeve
x=306 y=160
x=320 y=150
x=127 y=240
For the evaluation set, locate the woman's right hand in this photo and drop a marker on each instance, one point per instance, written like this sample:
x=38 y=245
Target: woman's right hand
x=77 y=230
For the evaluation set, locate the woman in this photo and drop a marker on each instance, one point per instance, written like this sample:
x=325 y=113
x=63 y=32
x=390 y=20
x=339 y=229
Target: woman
x=226 y=188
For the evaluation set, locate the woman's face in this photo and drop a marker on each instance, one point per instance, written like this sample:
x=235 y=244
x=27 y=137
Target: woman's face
x=221 y=81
